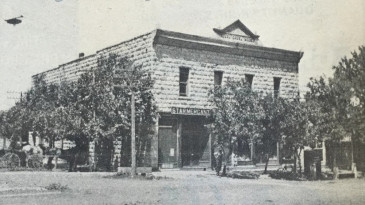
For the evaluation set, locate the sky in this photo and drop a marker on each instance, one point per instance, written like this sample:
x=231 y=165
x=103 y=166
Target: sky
x=53 y=32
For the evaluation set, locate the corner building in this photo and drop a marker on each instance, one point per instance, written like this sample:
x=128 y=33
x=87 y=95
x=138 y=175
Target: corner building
x=185 y=67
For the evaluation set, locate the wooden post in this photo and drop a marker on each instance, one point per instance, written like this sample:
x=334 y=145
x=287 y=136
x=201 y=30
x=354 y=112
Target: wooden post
x=55 y=163
x=352 y=150
x=335 y=167
x=252 y=151
x=133 y=136
x=353 y=164
x=324 y=154
x=154 y=145
x=178 y=143
x=278 y=152
x=210 y=150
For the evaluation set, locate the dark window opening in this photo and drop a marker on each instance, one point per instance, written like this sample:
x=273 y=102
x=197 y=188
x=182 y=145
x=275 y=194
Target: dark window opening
x=277 y=87
x=249 y=79
x=218 y=76
x=184 y=78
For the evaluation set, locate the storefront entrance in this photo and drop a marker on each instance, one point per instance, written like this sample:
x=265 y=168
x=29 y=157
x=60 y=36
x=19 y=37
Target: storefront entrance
x=195 y=143
x=167 y=143
x=183 y=142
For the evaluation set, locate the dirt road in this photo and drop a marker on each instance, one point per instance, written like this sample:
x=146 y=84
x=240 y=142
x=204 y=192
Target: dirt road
x=180 y=187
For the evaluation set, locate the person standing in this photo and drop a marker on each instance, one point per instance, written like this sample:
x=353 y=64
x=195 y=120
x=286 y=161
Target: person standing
x=218 y=155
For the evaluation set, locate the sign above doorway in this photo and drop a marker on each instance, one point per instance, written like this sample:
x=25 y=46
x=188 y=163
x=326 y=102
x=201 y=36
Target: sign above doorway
x=189 y=111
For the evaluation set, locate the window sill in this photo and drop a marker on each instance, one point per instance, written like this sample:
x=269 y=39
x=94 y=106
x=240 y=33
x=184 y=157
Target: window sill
x=184 y=98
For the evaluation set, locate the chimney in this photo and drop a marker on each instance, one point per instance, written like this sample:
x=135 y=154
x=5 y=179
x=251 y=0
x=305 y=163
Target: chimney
x=81 y=55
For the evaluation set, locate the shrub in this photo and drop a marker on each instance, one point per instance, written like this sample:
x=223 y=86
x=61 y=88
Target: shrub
x=243 y=175
x=287 y=175
x=57 y=187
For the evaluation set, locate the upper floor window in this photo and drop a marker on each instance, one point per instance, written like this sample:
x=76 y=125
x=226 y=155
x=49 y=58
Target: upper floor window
x=249 y=79
x=218 y=76
x=183 y=81
x=276 y=86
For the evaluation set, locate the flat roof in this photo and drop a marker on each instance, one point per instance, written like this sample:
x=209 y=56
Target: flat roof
x=176 y=39
x=217 y=45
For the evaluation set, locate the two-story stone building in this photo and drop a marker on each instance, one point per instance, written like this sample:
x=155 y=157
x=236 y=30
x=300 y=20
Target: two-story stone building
x=185 y=67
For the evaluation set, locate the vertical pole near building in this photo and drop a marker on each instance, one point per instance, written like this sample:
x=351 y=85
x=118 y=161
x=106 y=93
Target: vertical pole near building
x=210 y=149
x=133 y=136
x=324 y=154
x=178 y=143
x=252 y=151
x=278 y=152
x=353 y=164
x=154 y=145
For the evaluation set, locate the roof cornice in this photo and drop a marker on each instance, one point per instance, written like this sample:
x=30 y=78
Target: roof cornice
x=188 y=41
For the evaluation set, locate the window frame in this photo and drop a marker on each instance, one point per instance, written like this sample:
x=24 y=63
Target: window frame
x=249 y=79
x=277 y=84
x=220 y=76
x=184 y=83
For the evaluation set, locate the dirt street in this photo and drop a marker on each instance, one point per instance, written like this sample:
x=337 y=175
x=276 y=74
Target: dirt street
x=173 y=187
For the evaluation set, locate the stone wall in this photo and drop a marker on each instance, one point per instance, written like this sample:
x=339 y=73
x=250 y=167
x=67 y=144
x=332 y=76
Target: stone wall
x=164 y=61
x=70 y=71
x=202 y=65
x=138 y=50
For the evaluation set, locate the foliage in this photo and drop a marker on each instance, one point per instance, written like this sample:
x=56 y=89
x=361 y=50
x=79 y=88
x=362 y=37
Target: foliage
x=272 y=123
x=57 y=187
x=341 y=98
x=297 y=128
x=90 y=109
x=340 y=101
x=243 y=175
x=287 y=175
x=237 y=115
x=348 y=83
x=243 y=116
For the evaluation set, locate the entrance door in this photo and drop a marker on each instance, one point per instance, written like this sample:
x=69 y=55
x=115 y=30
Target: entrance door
x=167 y=147
x=191 y=149
x=195 y=147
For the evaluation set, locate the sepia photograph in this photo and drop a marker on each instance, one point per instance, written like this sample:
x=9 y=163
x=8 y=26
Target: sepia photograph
x=182 y=102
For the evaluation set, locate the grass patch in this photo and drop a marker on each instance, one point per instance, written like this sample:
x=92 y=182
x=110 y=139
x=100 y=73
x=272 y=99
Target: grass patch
x=57 y=187
x=287 y=175
x=243 y=175
x=140 y=177
x=22 y=169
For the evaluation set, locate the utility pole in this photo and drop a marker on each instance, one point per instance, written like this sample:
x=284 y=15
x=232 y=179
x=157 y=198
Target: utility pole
x=133 y=121
x=133 y=136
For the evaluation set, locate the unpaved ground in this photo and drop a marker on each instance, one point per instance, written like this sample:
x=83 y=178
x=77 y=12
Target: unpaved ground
x=180 y=187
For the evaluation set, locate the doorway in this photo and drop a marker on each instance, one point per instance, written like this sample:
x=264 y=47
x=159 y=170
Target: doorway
x=195 y=143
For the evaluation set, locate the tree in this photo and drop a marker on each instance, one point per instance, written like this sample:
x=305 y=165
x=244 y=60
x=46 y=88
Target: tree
x=135 y=82
x=296 y=128
x=348 y=83
x=341 y=102
x=237 y=116
x=91 y=109
x=108 y=91
x=242 y=116
x=274 y=116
